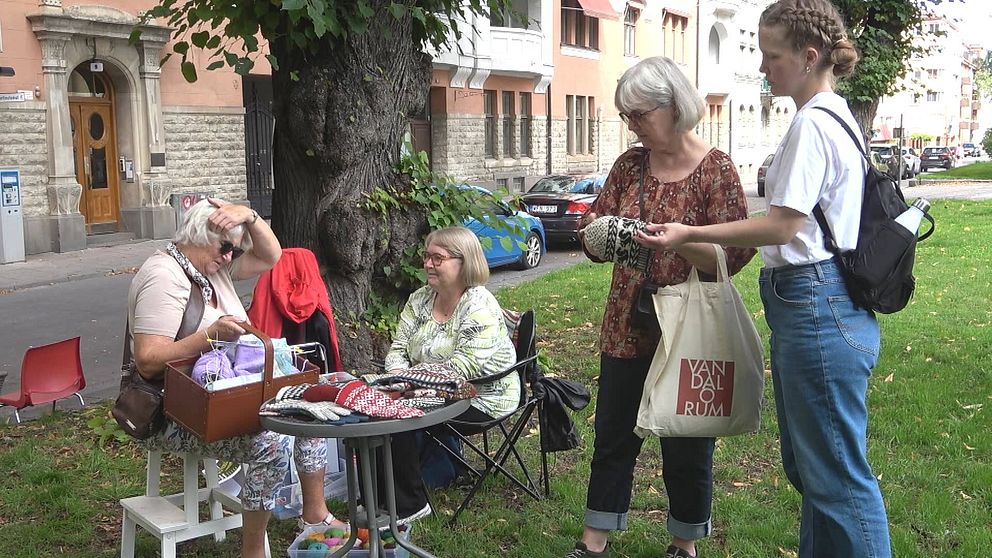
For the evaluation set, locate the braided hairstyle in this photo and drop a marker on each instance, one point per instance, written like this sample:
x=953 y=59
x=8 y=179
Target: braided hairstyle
x=817 y=24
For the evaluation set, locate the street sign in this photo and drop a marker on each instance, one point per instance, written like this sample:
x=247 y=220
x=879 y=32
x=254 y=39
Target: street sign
x=13 y=97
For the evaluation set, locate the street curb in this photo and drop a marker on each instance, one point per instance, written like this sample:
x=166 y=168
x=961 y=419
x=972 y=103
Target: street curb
x=65 y=279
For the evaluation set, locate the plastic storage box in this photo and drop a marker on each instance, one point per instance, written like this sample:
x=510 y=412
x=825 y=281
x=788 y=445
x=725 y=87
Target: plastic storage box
x=295 y=552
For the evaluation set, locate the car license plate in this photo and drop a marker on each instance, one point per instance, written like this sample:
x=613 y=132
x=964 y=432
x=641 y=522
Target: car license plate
x=543 y=209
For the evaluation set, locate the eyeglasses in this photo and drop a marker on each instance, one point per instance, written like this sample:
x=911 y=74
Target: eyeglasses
x=438 y=259
x=636 y=116
x=227 y=247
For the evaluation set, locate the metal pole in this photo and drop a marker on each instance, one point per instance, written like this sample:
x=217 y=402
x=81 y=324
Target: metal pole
x=902 y=163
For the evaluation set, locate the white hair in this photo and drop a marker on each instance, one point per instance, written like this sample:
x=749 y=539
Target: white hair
x=194 y=229
x=658 y=82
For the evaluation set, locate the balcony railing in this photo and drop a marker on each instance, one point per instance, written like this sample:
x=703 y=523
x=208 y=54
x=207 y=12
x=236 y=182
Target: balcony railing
x=516 y=50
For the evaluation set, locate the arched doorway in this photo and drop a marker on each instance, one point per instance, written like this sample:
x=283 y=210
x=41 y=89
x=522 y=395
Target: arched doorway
x=94 y=148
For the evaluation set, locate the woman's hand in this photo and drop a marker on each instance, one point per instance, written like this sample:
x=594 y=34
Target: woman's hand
x=229 y=215
x=666 y=236
x=226 y=328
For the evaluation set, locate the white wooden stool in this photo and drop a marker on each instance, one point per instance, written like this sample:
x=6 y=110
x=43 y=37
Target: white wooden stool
x=174 y=519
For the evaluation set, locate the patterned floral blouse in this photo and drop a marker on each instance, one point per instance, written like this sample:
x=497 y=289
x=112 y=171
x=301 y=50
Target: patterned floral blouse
x=474 y=342
x=710 y=194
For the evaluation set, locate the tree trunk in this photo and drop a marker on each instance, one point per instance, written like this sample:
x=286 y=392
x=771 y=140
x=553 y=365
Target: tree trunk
x=340 y=118
x=864 y=114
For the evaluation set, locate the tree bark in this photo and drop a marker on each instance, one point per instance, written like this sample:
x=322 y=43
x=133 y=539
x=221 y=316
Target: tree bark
x=340 y=118
x=864 y=114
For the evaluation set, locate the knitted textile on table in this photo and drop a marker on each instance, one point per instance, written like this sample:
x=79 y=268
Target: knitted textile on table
x=612 y=239
x=437 y=376
x=364 y=399
x=291 y=401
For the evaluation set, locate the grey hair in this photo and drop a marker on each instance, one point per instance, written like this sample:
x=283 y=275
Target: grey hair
x=463 y=243
x=655 y=82
x=194 y=229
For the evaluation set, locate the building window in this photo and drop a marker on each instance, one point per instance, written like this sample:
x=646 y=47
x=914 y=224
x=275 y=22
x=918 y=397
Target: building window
x=714 y=46
x=509 y=16
x=933 y=96
x=579 y=137
x=489 y=106
x=525 y=118
x=933 y=73
x=508 y=123
x=578 y=29
x=630 y=31
x=518 y=184
x=934 y=28
x=503 y=184
x=674 y=28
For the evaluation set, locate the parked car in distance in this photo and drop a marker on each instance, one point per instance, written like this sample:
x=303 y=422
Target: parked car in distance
x=878 y=163
x=971 y=150
x=560 y=201
x=886 y=152
x=911 y=162
x=938 y=156
x=502 y=245
x=762 y=171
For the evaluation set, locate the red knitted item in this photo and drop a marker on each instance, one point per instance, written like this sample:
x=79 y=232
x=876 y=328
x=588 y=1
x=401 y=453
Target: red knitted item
x=357 y=396
x=321 y=392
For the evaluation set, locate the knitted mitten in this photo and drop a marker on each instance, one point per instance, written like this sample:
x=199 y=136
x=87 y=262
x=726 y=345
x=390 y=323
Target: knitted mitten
x=356 y=395
x=612 y=239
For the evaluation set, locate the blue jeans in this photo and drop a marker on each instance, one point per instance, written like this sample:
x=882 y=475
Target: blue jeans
x=822 y=351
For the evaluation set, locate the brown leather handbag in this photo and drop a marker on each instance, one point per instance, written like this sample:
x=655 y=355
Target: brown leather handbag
x=139 y=408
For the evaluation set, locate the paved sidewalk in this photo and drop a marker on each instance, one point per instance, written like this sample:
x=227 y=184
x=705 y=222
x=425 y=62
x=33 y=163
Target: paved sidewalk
x=50 y=268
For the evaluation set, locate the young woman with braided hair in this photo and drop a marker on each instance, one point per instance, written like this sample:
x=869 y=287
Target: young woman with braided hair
x=823 y=347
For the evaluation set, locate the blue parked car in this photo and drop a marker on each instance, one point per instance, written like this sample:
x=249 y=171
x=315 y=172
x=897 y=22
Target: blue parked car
x=531 y=235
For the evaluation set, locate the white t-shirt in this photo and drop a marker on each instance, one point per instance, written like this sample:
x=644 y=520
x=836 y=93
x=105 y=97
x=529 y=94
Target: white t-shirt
x=817 y=162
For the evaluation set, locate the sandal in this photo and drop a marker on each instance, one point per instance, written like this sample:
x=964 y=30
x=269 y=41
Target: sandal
x=329 y=521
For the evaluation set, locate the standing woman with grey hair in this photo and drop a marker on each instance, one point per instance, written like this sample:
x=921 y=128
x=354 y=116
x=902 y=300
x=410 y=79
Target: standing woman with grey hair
x=823 y=347
x=219 y=243
x=675 y=176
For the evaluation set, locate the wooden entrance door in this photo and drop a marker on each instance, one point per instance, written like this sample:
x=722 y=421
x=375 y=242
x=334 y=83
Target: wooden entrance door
x=95 y=152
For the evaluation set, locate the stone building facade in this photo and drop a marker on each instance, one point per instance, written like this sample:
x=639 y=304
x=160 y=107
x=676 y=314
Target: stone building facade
x=103 y=135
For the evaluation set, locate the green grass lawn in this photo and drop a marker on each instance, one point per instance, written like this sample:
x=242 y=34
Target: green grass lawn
x=974 y=171
x=929 y=440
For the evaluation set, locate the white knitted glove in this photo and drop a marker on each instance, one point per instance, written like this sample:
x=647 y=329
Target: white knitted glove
x=322 y=410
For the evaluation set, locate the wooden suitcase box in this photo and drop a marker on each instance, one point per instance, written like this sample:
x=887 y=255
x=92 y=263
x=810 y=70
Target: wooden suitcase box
x=226 y=413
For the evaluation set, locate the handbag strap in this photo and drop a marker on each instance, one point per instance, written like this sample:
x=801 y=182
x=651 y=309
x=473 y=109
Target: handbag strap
x=192 y=315
x=644 y=164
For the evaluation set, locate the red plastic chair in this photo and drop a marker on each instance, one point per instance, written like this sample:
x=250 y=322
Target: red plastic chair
x=48 y=373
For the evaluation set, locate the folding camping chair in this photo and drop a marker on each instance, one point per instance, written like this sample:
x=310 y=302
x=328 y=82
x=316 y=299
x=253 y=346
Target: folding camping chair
x=511 y=426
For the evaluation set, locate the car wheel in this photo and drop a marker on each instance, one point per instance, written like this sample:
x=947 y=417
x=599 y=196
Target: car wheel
x=532 y=255
x=761 y=190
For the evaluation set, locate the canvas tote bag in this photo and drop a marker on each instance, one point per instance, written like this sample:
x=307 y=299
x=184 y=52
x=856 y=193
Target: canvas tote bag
x=707 y=375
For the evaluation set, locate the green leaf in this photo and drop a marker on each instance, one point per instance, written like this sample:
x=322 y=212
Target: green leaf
x=398 y=10
x=200 y=38
x=182 y=47
x=214 y=42
x=215 y=65
x=273 y=61
x=134 y=37
x=290 y=5
x=231 y=58
x=310 y=153
x=294 y=75
x=388 y=270
x=189 y=71
x=365 y=10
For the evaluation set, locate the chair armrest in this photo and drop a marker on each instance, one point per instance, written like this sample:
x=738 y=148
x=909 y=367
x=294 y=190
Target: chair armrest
x=517 y=366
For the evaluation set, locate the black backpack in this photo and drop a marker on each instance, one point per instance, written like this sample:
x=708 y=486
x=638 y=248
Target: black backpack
x=879 y=272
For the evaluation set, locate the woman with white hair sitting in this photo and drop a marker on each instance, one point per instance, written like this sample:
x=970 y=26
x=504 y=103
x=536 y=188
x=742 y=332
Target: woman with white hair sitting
x=219 y=243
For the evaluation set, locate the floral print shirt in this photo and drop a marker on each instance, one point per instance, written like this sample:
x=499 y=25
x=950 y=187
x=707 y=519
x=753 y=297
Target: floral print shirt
x=711 y=194
x=474 y=342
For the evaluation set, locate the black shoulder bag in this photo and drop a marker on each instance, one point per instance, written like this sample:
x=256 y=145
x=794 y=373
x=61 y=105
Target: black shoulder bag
x=139 y=406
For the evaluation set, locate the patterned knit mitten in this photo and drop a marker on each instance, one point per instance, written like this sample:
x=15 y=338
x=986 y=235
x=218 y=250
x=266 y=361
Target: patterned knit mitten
x=358 y=396
x=612 y=239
